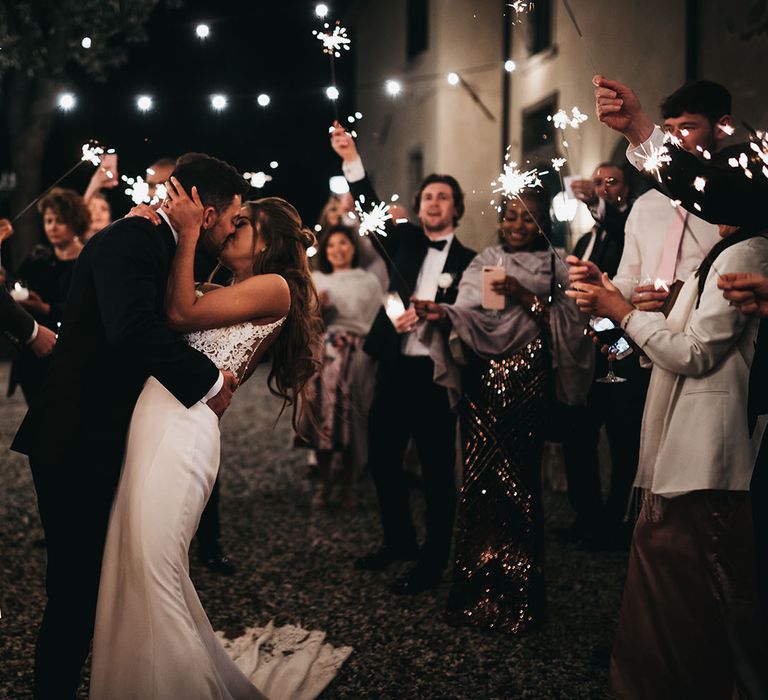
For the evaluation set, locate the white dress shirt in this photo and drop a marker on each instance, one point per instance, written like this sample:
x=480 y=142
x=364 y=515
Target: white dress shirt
x=644 y=235
x=431 y=268
x=216 y=388
x=426 y=288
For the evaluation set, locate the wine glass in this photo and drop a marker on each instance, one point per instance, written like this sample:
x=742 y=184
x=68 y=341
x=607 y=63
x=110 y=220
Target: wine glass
x=607 y=333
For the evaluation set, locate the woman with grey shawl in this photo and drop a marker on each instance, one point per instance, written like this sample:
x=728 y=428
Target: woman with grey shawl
x=501 y=368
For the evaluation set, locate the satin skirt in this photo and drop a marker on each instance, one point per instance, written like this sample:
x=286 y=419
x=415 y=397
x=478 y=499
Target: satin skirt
x=689 y=620
x=153 y=640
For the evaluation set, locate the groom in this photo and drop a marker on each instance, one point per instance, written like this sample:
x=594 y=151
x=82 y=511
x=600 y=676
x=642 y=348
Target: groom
x=113 y=337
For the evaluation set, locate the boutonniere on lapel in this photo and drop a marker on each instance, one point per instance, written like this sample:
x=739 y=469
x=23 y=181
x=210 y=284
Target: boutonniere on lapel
x=446 y=280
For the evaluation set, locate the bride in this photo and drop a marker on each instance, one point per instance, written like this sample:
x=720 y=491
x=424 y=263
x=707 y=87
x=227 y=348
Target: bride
x=152 y=638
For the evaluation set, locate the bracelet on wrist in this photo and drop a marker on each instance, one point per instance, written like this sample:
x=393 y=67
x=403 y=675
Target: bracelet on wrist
x=536 y=308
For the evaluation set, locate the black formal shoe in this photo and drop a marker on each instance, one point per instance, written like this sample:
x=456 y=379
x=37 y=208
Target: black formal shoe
x=417 y=580
x=383 y=557
x=219 y=564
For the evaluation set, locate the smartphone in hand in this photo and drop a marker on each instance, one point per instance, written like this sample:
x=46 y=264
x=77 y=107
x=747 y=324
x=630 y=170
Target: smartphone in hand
x=612 y=335
x=490 y=274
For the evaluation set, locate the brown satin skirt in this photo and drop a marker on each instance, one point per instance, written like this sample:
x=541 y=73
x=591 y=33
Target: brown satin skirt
x=689 y=624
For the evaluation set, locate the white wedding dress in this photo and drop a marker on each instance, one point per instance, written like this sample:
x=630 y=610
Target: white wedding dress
x=152 y=639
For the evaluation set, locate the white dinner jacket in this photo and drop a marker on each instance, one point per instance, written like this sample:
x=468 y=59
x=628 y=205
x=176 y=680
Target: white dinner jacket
x=695 y=433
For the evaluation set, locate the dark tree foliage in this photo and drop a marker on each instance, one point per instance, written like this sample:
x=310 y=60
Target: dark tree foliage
x=40 y=51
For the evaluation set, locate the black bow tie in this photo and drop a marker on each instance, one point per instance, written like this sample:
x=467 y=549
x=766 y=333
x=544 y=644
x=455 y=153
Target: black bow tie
x=437 y=245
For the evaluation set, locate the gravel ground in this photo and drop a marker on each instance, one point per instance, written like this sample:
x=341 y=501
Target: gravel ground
x=294 y=565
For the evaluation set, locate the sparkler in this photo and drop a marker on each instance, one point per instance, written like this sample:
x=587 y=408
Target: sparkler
x=258 y=179
x=92 y=153
x=138 y=189
x=558 y=163
x=373 y=221
x=520 y=7
x=654 y=160
x=333 y=43
x=512 y=181
x=512 y=184
x=561 y=119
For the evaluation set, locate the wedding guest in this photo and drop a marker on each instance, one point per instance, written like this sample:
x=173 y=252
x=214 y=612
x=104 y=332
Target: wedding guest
x=101 y=215
x=351 y=298
x=339 y=210
x=662 y=244
x=510 y=363
x=426 y=262
x=689 y=626
x=618 y=407
x=47 y=274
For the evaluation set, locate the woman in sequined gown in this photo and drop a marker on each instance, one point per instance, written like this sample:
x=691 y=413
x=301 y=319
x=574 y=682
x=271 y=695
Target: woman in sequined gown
x=153 y=640
x=501 y=368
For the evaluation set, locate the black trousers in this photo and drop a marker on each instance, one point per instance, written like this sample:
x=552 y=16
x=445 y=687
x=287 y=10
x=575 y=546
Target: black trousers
x=408 y=404
x=74 y=500
x=620 y=408
x=758 y=490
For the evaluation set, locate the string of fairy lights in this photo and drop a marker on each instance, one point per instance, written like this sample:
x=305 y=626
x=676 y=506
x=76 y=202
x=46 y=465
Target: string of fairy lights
x=373 y=216
x=334 y=39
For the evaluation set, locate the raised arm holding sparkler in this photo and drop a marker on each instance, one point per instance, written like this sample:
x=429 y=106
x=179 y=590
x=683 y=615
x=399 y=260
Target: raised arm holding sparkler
x=732 y=195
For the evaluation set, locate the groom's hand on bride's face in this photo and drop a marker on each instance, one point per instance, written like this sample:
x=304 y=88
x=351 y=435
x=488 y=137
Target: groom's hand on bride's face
x=220 y=403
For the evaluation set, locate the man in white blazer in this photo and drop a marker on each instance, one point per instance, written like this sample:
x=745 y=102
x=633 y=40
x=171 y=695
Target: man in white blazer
x=689 y=624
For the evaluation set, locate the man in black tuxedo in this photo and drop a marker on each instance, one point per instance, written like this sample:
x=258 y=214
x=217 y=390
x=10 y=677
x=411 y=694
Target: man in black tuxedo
x=619 y=407
x=113 y=337
x=425 y=262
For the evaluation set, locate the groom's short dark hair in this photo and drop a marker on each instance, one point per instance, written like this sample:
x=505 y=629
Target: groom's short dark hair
x=217 y=182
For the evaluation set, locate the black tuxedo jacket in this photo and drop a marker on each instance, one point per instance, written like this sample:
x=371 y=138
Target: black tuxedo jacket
x=606 y=253
x=406 y=246
x=113 y=337
x=15 y=322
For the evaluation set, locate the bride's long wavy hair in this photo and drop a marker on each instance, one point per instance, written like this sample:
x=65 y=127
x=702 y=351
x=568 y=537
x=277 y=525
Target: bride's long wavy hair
x=297 y=350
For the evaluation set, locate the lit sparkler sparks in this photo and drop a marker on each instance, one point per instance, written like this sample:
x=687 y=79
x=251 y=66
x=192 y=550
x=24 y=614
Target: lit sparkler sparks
x=700 y=183
x=521 y=7
x=258 y=179
x=373 y=221
x=138 y=190
x=335 y=41
x=561 y=119
x=512 y=181
x=655 y=159
x=558 y=163
x=92 y=152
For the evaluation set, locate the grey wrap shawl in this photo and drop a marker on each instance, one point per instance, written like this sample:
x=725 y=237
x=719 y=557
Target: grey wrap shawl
x=491 y=335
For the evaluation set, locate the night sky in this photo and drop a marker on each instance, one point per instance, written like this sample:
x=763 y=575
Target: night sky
x=253 y=47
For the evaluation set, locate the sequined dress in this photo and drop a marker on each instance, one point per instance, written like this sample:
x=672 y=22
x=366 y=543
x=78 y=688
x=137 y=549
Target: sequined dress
x=498 y=579
x=153 y=640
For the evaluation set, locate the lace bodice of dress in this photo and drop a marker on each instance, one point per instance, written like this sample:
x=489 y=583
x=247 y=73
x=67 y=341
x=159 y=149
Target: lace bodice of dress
x=232 y=347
